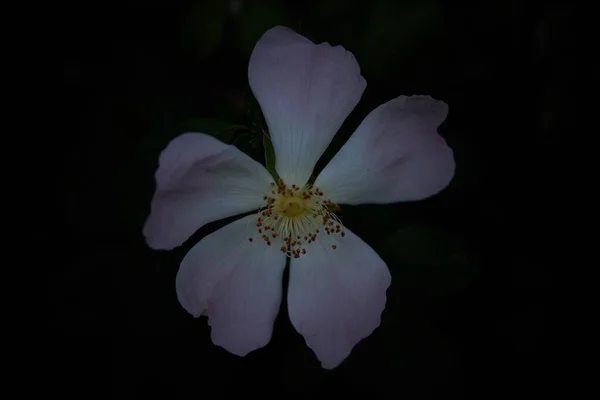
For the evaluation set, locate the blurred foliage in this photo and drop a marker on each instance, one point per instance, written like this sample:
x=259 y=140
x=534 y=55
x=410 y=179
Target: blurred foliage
x=428 y=259
x=224 y=131
x=202 y=27
x=255 y=18
x=394 y=28
x=349 y=23
x=247 y=138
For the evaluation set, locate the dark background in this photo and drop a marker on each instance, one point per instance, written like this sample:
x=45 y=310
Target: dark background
x=471 y=311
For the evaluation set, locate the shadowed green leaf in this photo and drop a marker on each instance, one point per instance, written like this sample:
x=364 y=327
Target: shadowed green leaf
x=269 y=156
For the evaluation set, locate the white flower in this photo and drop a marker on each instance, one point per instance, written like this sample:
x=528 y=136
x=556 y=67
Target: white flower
x=337 y=286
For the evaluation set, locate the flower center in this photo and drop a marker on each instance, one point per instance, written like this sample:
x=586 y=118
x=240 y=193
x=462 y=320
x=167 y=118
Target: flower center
x=295 y=217
x=290 y=206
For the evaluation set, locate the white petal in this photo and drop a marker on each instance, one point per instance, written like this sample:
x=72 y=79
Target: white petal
x=306 y=91
x=200 y=180
x=395 y=155
x=335 y=297
x=237 y=284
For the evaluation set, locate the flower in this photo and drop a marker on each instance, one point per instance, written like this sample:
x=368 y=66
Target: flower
x=337 y=285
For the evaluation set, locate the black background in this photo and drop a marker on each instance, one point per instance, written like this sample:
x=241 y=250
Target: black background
x=471 y=312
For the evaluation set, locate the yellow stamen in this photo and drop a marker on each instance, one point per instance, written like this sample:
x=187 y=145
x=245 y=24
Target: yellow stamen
x=293 y=216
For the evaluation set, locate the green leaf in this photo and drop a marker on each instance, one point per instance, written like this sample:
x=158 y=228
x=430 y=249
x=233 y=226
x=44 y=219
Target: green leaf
x=269 y=156
x=428 y=259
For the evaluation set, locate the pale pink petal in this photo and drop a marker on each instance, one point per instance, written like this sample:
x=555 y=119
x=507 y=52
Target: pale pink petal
x=306 y=91
x=395 y=155
x=335 y=297
x=234 y=282
x=200 y=180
